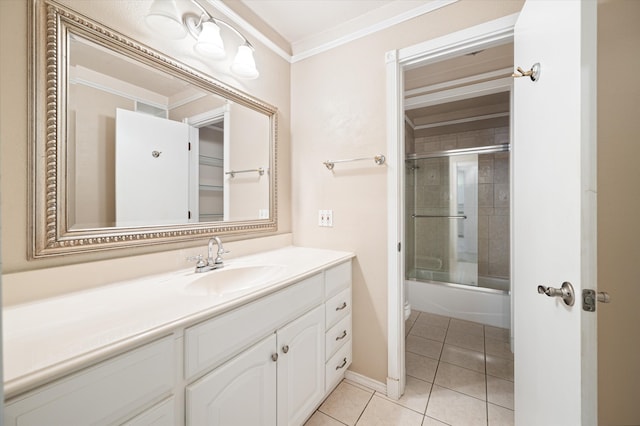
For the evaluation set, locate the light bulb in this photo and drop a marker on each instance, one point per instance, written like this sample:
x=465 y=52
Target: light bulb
x=163 y=19
x=209 y=42
x=244 y=65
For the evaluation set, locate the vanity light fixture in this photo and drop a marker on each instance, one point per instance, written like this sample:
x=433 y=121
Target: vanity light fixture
x=163 y=17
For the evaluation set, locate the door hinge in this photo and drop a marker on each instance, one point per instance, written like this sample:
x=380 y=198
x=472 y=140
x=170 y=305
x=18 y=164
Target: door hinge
x=399 y=247
x=189 y=214
x=189 y=146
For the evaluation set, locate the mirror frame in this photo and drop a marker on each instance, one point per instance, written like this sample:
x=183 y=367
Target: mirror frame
x=51 y=25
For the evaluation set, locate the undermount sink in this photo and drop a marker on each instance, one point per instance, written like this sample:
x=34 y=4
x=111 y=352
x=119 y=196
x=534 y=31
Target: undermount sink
x=232 y=279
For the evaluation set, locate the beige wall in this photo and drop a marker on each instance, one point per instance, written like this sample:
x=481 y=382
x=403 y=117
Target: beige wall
x=618 y=207
x=92 y=123
x=248 y=192
x=339 y=111
x=65 y=273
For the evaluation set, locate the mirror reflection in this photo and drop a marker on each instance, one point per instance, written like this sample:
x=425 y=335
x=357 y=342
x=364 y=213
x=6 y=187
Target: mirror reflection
x=147 y=148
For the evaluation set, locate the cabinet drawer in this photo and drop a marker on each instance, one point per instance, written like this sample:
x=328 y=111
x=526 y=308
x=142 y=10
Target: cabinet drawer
x=337 y=336
x=162 y=414
x=102 y=394
x=338 y=307
x=337 y=278
x=209 y=344
x=337 y=365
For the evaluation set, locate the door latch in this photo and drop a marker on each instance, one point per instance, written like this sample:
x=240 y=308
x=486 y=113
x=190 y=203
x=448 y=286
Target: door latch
x=590 y=297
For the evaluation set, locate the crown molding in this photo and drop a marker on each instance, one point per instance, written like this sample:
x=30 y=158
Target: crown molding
x=313 y=46
x=250 y=29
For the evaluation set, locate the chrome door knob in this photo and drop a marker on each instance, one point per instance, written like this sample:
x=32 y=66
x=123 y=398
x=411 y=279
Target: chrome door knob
x=565 y=292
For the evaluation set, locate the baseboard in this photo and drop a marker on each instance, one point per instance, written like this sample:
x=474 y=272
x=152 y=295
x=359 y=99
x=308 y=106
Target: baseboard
x=359 y=379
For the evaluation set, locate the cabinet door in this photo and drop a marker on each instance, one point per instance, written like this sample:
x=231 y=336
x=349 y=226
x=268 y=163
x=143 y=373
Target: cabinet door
x=300 y=367
x=239 y=392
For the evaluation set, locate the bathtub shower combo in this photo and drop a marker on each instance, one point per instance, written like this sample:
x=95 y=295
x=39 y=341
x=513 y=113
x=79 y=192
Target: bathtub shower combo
x=457 y=229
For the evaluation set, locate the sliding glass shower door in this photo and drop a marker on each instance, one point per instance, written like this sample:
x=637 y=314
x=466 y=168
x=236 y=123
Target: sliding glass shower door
x=444 y=219
x=458 y=217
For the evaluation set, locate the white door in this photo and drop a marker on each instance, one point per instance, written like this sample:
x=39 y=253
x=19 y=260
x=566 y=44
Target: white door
x=554 y=213
x=240 y=392
x=152 y=170
x=301 y=367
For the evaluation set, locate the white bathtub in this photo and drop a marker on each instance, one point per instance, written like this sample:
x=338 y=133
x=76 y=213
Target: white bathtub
x=471 y=303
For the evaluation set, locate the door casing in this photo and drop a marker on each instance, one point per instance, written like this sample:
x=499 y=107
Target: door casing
x=489 y=34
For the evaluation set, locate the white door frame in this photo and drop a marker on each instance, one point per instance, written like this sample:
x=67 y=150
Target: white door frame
x=479 y=37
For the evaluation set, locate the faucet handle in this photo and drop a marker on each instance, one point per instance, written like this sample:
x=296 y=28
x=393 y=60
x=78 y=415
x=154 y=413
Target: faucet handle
x=200 y=262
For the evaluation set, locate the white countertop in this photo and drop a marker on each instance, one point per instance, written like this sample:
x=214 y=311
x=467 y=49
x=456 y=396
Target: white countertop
x=46 y=339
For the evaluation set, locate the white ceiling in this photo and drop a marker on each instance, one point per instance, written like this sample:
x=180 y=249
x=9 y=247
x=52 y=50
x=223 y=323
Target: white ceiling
x=297 y=20
x=309 y=24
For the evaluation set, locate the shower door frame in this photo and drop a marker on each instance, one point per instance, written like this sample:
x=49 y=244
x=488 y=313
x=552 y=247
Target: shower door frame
x=482 y=36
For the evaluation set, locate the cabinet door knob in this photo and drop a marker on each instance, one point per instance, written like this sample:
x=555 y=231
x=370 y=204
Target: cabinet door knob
x=274 y=357
x=344 y=362
x=341 y=307
x=285 y=348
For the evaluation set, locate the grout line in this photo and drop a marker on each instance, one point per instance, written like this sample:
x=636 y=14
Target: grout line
x=364 y=409
x=331 y=417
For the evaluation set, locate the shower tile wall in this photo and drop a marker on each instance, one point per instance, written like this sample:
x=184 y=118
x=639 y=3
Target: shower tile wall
x=432 y=189
x=493 y=215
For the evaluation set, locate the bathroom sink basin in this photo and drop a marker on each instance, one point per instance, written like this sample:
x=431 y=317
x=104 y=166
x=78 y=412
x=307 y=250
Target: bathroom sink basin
x=232 y=279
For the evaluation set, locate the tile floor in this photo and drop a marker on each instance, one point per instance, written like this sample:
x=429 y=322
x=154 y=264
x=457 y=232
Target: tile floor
x=458 y=373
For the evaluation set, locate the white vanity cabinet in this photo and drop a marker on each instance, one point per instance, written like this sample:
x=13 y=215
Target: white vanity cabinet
x=269 y=361
x=278 y=381
x=284 y=377
x=108 y=393
x=338 y=324
x=240 y=392
x=301 y=367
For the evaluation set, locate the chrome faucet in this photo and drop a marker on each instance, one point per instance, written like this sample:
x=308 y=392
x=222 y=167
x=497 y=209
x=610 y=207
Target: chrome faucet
x=217 y=262
x=211 y=263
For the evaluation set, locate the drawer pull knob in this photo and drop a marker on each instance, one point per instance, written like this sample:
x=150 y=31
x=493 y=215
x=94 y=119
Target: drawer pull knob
x=344 y=362
x=341 y=307
x=285 y=348
x=274 y=357
x=344 y=334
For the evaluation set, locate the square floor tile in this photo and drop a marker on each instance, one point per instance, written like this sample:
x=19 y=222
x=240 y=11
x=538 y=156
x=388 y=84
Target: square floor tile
x=497 y=333
x=500 y=367
x=416 y=395
x=500 y=392
x=346 y=403
x=421 y=346
x=470 y=341
x=431 y=332
x=382 y=412
x=467 y=327
x=428 y=421
x=420 y=367
x=461 y=380
x=498 y=348
x=463 y=357
x=500 y=416
x=454 y=408
x=321 y=419
x=426 y=318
